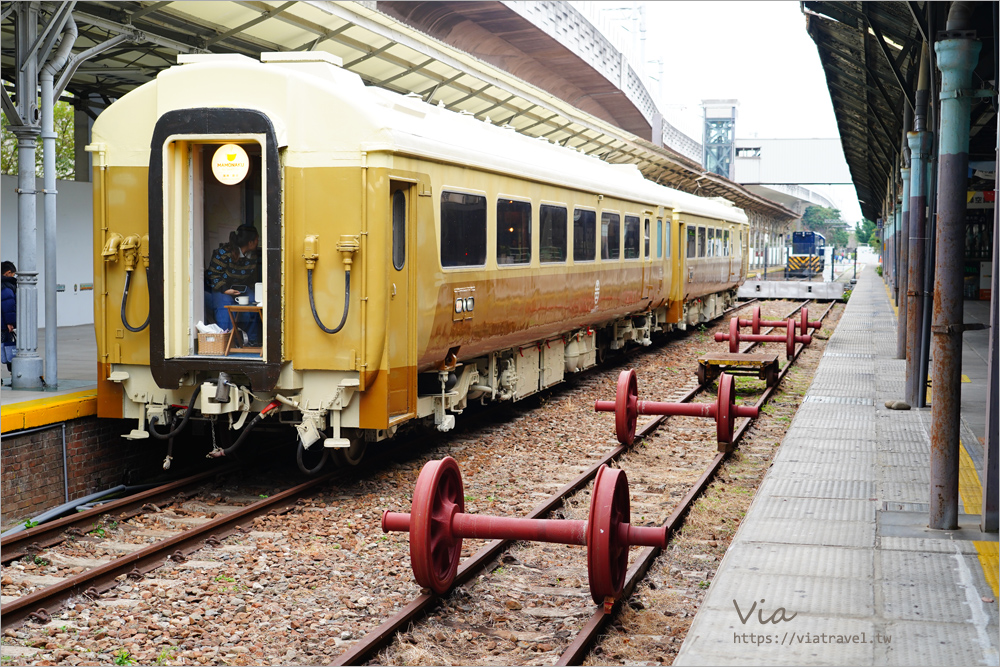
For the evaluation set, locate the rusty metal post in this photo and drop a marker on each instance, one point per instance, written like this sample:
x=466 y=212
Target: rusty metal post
x=919 y=142
x=904 y=252
x=957 y=54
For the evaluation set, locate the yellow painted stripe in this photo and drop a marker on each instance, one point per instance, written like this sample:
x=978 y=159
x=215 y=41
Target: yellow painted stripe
x=968 y=483
x=44 y=411
x=965 y=378
x=989 y=557
x=895 y=308
x=972 y=497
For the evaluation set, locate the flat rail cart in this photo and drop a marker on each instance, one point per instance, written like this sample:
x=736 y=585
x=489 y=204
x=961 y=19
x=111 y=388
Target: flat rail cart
x=763 y=366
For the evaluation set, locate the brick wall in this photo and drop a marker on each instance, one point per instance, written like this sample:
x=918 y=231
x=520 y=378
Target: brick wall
x=98 y=458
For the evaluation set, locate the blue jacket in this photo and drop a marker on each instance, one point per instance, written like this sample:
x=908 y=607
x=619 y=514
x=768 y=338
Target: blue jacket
x=8 y=310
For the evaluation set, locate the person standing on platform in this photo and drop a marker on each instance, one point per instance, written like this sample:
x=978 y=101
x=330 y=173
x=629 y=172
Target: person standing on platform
x=8 y=312
x=232 y=271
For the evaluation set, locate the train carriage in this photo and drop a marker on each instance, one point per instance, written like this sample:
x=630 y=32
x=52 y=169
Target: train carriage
x=410 y=258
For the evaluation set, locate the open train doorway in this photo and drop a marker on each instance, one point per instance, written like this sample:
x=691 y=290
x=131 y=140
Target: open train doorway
x=215 y=244
x=213 y=273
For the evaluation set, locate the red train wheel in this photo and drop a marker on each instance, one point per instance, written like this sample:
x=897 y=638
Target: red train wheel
x=805 y=319
x=771 y=374
x=725 y=411
x=434 y=551
x=756 y=320
x=626 y=408
x=702 y=375
x=734 y=335
x=790 y=339
x=607 y=551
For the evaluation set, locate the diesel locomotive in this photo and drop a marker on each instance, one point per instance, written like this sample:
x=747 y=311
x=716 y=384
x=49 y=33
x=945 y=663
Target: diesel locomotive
x=409 y=259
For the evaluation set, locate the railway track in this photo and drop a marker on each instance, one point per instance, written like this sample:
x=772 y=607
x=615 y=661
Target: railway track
x=174 y=548
x=368 y=647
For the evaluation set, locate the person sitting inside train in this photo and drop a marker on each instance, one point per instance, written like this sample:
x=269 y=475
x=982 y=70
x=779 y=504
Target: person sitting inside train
x=232 y=272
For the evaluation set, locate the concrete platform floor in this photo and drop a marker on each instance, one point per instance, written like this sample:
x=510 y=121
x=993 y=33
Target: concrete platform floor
x=834 y=563
x=77 y=349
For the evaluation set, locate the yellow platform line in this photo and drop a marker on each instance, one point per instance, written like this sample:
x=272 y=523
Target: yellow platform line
x=888 y=292
x=971 y=491
x=45 y=411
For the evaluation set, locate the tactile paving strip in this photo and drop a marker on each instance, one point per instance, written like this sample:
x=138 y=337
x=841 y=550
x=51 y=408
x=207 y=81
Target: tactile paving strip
x=801 y=560
x=797 y=531
x=817 y=509
x=807 y=595
x=824 y=488
x=931 y=644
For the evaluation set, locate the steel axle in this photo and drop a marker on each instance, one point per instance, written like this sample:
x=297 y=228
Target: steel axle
x=790 y=338
x=437 y=524
x=627 y=407
x=756 y=323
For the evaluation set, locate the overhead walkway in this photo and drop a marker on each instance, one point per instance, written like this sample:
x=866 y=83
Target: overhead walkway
x=837 y=533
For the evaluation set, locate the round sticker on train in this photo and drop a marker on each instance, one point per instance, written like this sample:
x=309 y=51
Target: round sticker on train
x=230 y=164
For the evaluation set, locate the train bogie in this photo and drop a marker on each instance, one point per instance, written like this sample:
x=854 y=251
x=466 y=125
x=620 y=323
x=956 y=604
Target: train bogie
x=404 y=260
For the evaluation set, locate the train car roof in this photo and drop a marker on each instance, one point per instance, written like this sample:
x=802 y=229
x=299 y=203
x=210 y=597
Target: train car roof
x=301 y=91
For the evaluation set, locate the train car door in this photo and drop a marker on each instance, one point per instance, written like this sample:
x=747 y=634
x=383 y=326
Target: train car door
x=647 y=260
x=401 y=328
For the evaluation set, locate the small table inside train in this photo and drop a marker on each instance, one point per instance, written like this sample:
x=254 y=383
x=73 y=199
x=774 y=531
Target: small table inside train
x=763 y=366
x=233 y=312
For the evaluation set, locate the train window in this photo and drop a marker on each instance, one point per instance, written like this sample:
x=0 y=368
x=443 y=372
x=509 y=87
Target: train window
x=610 y=235
x=692 y=242
x=398 y=229
x=552 y=240
x=513 y=232
x=647 y=238
x=659 y=239
x=463 y=229
x=584 y=235
x=631 y=237
x=667 y=239
x=710 y=250
x=725 y=243
x=701 y=241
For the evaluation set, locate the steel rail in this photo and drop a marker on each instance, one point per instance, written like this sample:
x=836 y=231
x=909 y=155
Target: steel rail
x=103 y=577
x=149 y=558
x=577 y=651
x=35 y=539
x=368 y=646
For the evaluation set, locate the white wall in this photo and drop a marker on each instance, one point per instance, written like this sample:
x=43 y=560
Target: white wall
x=74 y=246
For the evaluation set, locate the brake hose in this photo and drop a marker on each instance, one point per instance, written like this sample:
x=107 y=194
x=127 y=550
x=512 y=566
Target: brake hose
x=302 y=466
x=219 y=453
x=128 y=281
x=187 y=416
x=347 y=302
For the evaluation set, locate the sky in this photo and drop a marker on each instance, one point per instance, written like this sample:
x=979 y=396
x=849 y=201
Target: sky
x=756 y=52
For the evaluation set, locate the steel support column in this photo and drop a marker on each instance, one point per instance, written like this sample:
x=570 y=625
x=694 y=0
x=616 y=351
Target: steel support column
x=991 y=485
x=904 y=252
x=915 y=385
x=26 y=367
x=919 y=142
x=957 y=57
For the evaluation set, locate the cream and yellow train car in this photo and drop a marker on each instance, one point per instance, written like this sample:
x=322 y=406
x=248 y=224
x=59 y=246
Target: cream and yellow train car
x=412 y=258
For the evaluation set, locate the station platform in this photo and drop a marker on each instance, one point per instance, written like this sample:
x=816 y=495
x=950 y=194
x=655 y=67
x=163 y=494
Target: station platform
x=833 y=563
x=75 y=394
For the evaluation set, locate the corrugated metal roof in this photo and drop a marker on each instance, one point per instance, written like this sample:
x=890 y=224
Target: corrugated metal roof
x=870 y=53
x=383 y=51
